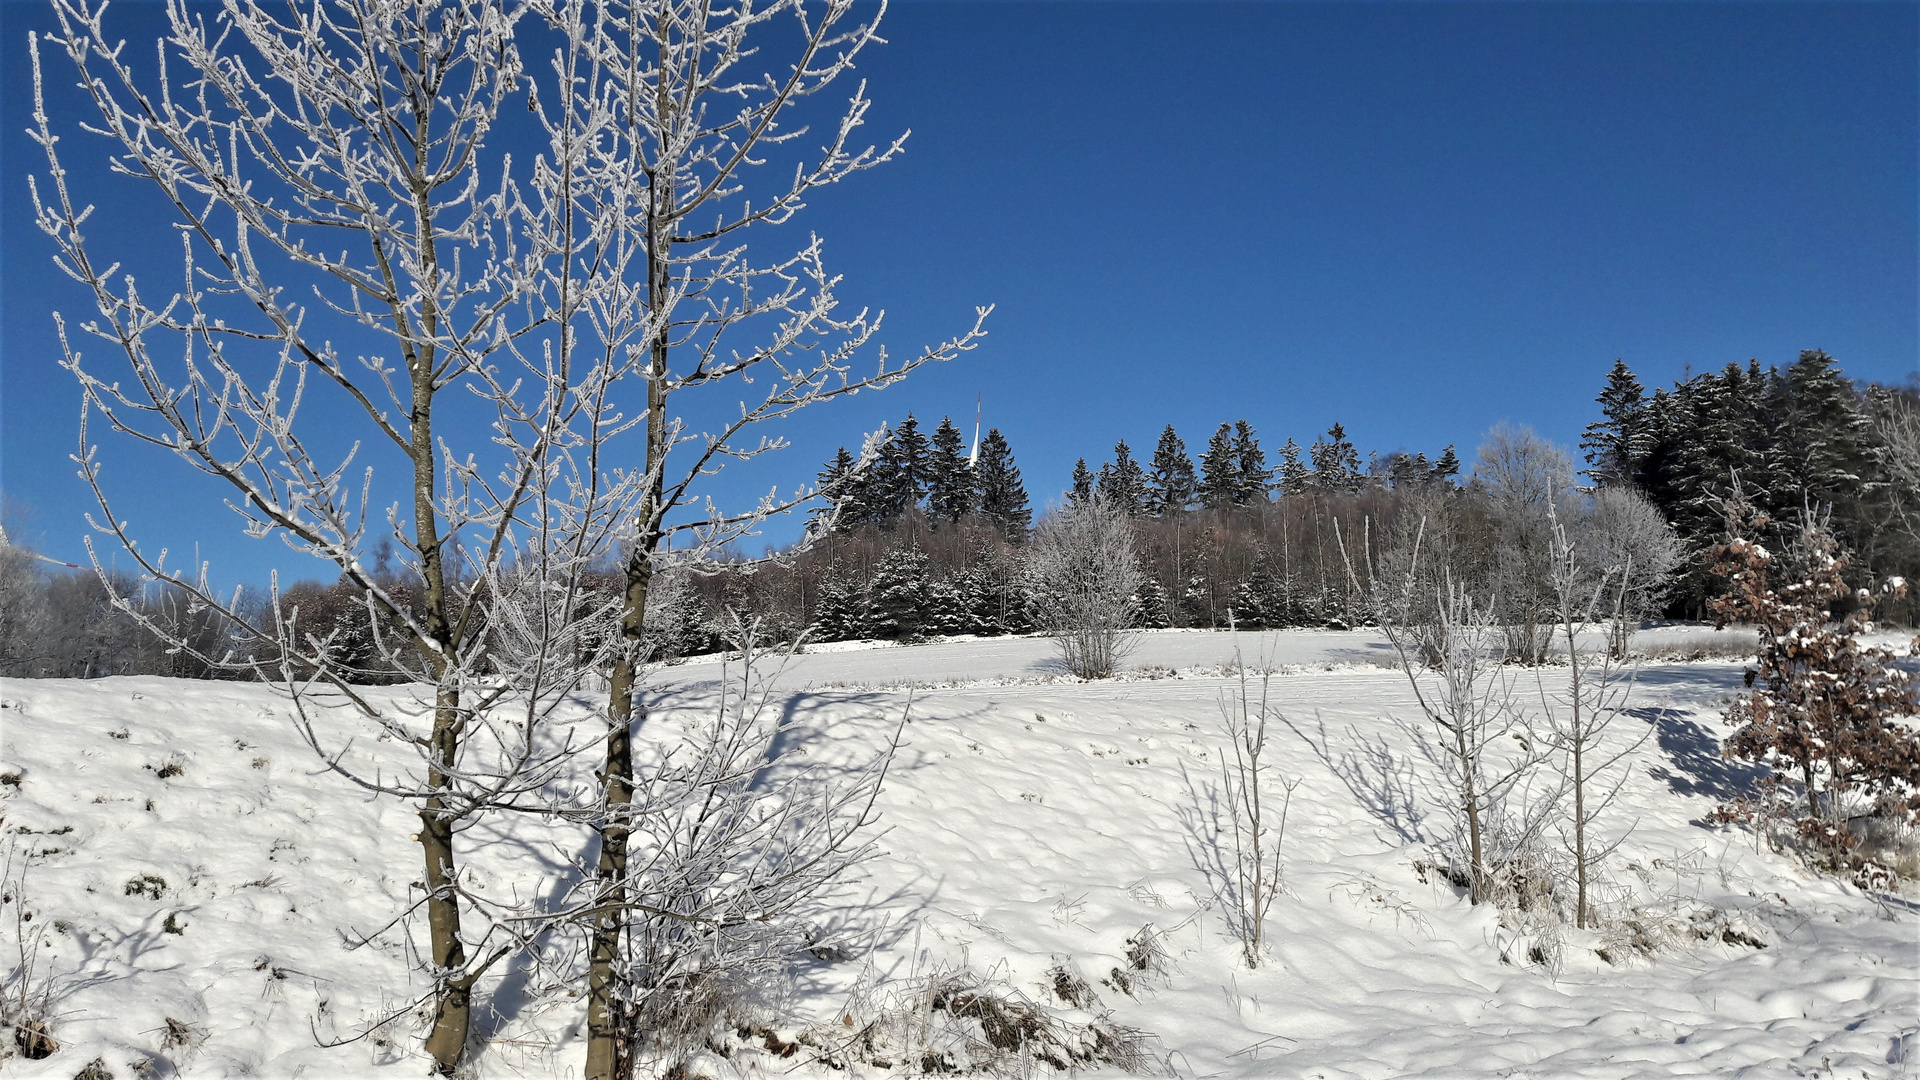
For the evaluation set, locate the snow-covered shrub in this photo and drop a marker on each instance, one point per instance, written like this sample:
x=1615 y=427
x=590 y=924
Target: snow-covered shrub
x=27 y=993
x=1086 y=575
x=1825 y=710
x=961 y=1022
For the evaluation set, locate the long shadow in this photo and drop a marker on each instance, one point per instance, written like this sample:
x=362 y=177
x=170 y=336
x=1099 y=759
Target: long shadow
x=1695 y=753
x=1378 y=779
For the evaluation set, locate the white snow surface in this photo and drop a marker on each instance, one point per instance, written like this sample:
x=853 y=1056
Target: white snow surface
x=1032 y=821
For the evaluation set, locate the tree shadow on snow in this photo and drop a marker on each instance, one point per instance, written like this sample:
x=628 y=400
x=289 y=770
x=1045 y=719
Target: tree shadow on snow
x=1381 y=781
x=1695 y=753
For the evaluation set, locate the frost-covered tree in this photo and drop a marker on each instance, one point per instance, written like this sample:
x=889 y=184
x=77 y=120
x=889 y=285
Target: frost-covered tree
x=1525 y=480
x=1086 y=576
x=1622 y=534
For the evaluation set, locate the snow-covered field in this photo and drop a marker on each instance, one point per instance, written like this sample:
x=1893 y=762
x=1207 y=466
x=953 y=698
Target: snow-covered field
x=195 y=866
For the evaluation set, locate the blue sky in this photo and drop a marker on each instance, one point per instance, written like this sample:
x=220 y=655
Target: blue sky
x=1416 y=219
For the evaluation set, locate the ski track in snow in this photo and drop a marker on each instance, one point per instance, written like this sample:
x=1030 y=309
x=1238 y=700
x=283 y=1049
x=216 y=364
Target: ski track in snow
x=1031 y=821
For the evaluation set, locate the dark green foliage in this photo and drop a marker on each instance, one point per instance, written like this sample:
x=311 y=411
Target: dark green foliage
x=1336 y=463
x=1123 y=483
x=1003 y=498
x=898 y=606
x=1294 y=477
x=949 y=478
x=1250 y=485
x=1083 y=480
x=1614 y=443
x=1170 y=481
x=1220 y=470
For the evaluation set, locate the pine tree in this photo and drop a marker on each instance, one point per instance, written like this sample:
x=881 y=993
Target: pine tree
x=1294 y=477
x=1220 y=470
x=1336 y=464
x=1250 y=487
x=1003 y=498
x=1447 y=467
x=1615 y=445
x=1170 y=480
x=950 y=494
x=1122 y=482
x=1083 y=480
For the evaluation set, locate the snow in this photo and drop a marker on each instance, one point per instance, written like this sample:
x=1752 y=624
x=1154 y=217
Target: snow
x=1034 y=821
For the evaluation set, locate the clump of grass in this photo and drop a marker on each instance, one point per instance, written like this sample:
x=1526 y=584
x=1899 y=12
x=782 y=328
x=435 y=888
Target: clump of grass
x=149 y=885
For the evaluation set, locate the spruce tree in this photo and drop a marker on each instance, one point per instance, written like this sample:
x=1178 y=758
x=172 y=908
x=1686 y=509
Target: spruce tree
x=1220 y=470
x=1336 y=464
x=1447 y=467
x=898 y=595
x=1003 y=498
x=1250 y=487
x=1170 y=479
x=1615 y=444
x=1294 y=477
x=1122 y=482
x=1082 y=488
x=949 y=477
x=901 y=475
x=1828 y=435
x=837 y=484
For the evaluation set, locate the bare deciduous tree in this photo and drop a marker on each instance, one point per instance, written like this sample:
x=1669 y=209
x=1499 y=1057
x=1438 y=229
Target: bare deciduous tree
x=1523 y=476
x=1578 y=720
x=666 y=108
x=1086 y=576
x=329 y=178
x=1247 y=782
x=1462 y=692
x=1626 y=537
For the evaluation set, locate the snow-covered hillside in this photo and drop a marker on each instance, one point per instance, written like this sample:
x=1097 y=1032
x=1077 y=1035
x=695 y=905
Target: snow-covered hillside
x=202 y=880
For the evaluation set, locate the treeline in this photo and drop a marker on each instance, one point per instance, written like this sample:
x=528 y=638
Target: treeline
x=926 y=537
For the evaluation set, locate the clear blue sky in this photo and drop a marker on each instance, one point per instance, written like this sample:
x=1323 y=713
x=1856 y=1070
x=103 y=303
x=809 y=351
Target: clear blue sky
x=1417 y=219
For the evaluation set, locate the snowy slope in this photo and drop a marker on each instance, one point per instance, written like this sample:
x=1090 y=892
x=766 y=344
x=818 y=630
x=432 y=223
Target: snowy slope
x=1034 y=823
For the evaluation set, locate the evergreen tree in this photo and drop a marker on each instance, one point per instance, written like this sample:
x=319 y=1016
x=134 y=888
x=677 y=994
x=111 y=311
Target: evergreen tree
x=1150 y=603
x=840 y=613
x=1827 y=456
x=1336 y=464
x=1447 y=467
x=1294 y=477
x=900 y=475
x=1170 y=480
x=949 y=477
x=1122 y=482
x=1615 y=444
x=1082 y=489
x=839 y=489
x=1003 y=498
x=898 y=595
x=1220 y=470
x=1250 y=487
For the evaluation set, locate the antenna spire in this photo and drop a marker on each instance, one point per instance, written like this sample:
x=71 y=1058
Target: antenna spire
x=974 y=457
